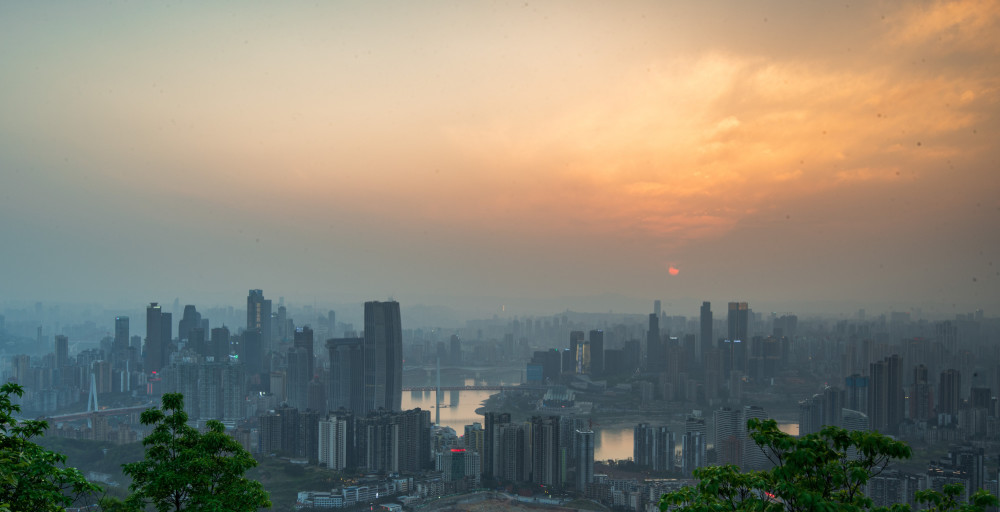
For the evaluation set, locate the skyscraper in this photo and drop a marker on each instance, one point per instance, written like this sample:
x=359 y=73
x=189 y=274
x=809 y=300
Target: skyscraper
x=584 y=458
x=885 y=394
x=949 y=392
x=492 y=452
x=655 y=357
x=120 y=346
x=693 y=445
x=653 y=447
x=921 y=401
x=158 y=334
x=383 y=353
x=705 y=343
x=346 y=380
x=189 y=321
x=597 y=352
x=545 y=460
x=259 y=317
x=219 y=349
x=62 y=351
x=738 y=320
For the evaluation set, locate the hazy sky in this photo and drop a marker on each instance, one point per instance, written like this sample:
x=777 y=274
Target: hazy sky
x=781 y=152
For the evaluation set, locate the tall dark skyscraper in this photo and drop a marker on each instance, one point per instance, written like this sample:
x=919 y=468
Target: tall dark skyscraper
x=949 y=392
x=885 y=394
x=545 y=461
x=219 y=347
x=120 y=345
x=190 y=320
x=706 y=342
x=62 y=351
x=304 y=339
x=383 y=353
x=655 y=353
x=301 y=367
x=159 y=328
x=346 y=380
x=259 y=317
x=739 y=321
x=597 y=352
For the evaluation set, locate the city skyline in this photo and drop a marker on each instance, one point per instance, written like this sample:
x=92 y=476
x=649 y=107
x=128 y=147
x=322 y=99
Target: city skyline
x=482 y=156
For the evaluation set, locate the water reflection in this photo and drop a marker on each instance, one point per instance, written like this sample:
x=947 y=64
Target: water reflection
x=610 y=441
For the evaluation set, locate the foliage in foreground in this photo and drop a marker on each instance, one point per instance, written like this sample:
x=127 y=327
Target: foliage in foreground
x=31 y=477
x=185 y=469
x=824 y=471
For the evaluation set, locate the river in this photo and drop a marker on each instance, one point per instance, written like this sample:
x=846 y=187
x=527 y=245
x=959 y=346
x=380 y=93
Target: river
x=459 y=409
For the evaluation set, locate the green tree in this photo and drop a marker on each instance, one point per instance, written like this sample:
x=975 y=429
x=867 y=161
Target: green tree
x=185 y=469
x=31 y=477
x=824 y=471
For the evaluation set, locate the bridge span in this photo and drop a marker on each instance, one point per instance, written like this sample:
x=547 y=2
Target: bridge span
x=76 y=416
x=475 y=388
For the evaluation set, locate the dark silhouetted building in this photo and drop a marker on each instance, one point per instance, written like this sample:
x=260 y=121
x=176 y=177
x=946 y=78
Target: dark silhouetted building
x=705 y=341
x=383 y=353
x=597 y=352
x=259 y=317
x=949 y=392
x=346 y=379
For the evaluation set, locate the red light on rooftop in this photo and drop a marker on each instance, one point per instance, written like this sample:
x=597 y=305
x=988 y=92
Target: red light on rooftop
x=457 y=450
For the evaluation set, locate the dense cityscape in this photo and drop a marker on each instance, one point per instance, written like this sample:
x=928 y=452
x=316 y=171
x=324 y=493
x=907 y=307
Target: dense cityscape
x=678 y=389
x=474 y=256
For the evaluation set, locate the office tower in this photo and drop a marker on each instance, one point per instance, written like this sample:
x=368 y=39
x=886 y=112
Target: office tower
x=158 y=336
x=383 y=353
x=727 y=436
x=346 y=379
x=301 y=368
x=189 y=320
x=885 y=394
x=833 y=406
x=655 y=356
x=856 y=389
x=304 y=340
x=693 y=445
x=297 y=377
x=657 y=307
x=584 y=458
x=331 y=323
x=259 y=318
x=811 y=415
x=545 y=460
x=120 y=346
x=705 y=341
x=597 y=352
x=949 y=392
x=492 y=422
x=921 y=400
x=575 y=339
x=738 y=321
x=753 y=456
x=219 y=347
x=335 y=442
x=62 y=351
x=653 y=447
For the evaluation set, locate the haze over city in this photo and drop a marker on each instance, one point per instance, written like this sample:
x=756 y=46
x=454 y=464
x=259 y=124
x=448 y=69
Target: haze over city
x=503 y=156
